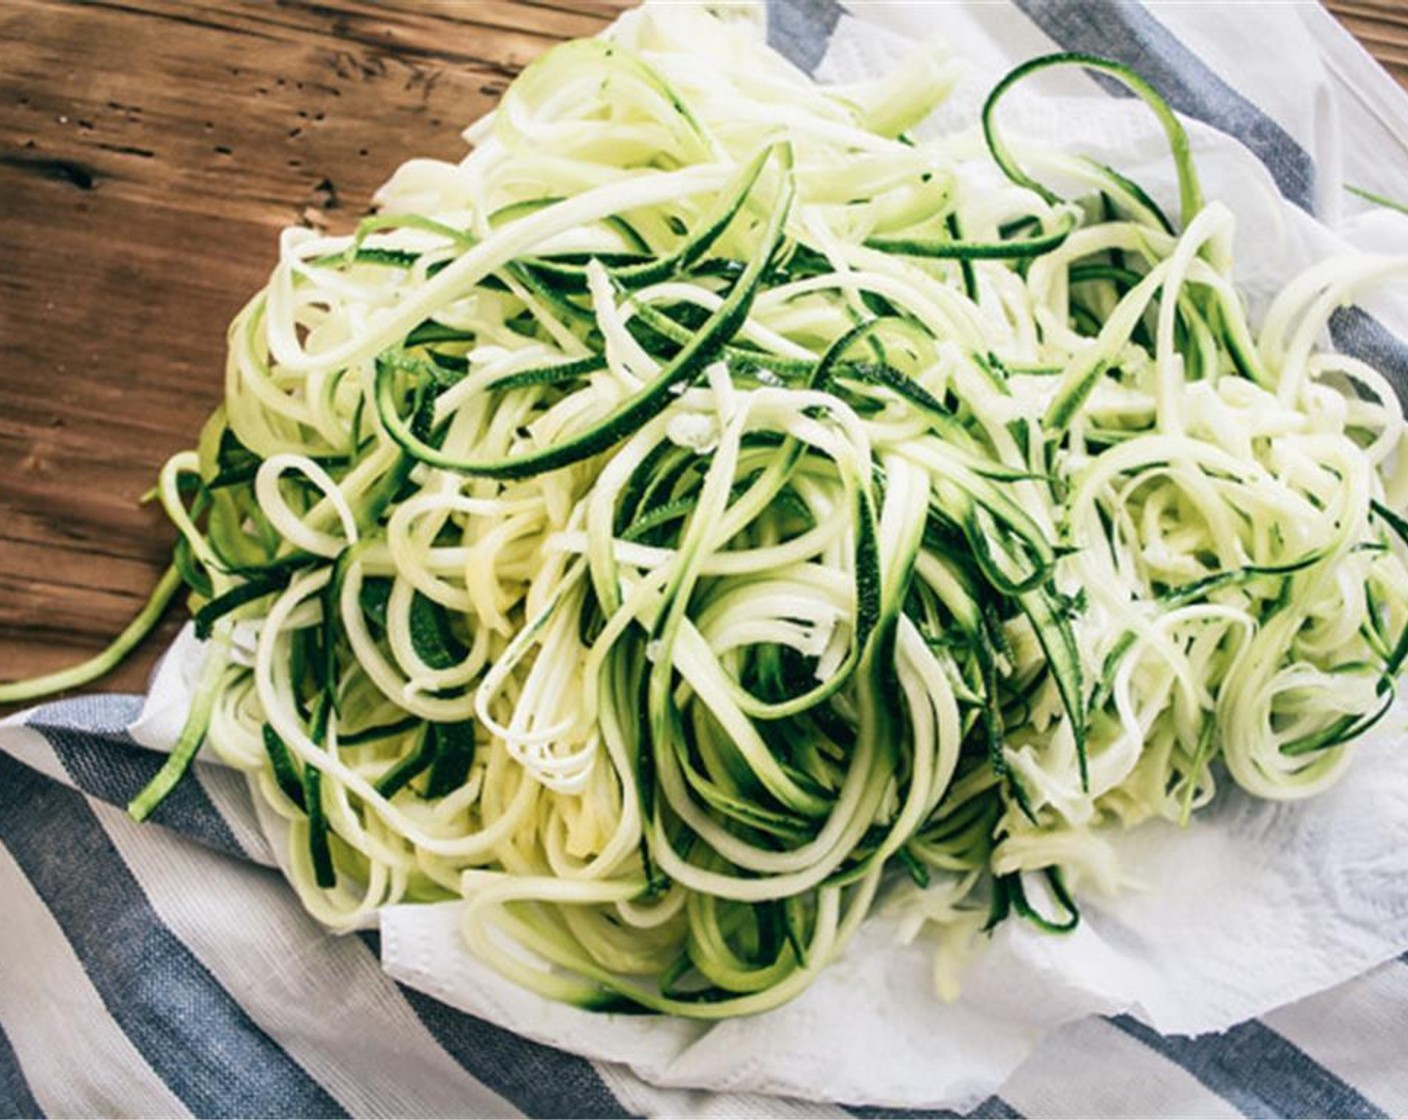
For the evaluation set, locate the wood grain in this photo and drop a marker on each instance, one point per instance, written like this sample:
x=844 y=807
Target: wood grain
x=150 y=151
x=1382 y=27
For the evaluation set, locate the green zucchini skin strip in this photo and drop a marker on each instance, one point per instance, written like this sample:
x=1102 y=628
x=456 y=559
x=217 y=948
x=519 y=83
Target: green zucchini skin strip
x=409 y=766
x=702 y=348
x=959 y=250
x=191 y=737
x=247 y=592
x=1054 y=632
x=695 y=246
x=286 y=773
x=1190 y=194
x=36 y=688
x=320 y=851
x=454 y=754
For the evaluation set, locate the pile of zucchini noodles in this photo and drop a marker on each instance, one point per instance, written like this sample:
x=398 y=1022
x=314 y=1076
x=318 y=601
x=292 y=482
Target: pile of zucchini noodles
x=706 y=508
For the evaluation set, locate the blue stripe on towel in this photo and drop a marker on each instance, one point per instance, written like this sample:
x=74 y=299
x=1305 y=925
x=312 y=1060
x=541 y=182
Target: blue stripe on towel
x=114 y=768
x=1258 y=1071
x=800 y=30
x=993 y=1108
x=1125 y=32
x=189 y=1029
x=1361 y=336
x=15 y=1097
x=538 y=1079
x=89 y=734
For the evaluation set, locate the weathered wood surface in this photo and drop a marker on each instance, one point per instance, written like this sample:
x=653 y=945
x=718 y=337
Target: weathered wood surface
x=1382 y=27
x=150 y=150
x=149 y=154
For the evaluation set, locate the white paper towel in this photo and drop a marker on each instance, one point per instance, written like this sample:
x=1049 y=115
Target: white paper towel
x=1250 y=907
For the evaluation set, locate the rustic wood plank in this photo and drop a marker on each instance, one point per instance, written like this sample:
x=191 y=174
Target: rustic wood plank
x=1382 y=27
x=150 y=151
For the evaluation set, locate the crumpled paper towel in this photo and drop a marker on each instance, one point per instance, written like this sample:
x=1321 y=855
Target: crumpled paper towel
x=1252 y=906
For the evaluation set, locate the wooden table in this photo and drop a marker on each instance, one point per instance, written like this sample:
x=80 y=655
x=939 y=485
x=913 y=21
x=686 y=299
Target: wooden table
x=149 y=153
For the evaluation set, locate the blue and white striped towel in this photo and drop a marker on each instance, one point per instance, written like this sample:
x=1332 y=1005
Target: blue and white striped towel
x=167 y=970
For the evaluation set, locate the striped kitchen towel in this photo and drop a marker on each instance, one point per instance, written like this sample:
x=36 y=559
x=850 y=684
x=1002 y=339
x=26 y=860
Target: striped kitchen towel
x=167 y=970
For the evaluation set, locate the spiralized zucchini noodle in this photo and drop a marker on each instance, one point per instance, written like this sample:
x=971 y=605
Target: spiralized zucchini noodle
x=707 y=512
